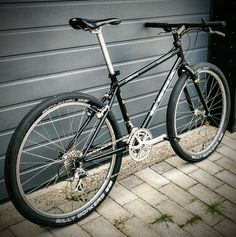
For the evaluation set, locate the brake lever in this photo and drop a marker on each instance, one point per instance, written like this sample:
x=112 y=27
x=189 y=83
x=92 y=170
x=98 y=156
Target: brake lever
x=216 y=32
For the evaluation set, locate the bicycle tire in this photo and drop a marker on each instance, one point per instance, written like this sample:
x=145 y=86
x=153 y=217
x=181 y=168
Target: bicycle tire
x=193 y=134
x=40 y=180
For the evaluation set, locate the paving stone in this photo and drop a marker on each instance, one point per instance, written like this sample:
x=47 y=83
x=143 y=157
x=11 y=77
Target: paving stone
x=206 y=179
x=227 y=177
x=230 y=142
x=6 y=233
x=201 y=229
x=180 y=215
x=69 y=231
x=227 y=228
x=229 y=210
x=91 y=217
x=228 y=152
x=142 y=210
x=149 y=194
x=113 y=211
x=131 y=181
x=9 y=215
x=121 y=194
x=152 y=178
x=162 y=167
x=135 y=227
x=231 y=135
x=133 y=211
x=205 y=194
x=176 y=161
x=228 y=164
x=209 y=166
x=177 y=194
x=179 y=178
x=214 y=156
x=100 y=227
x=228 y=192
x=199 y=208
x=27 y=228
x=169 y=229
x=188 y=168
x=182 y=165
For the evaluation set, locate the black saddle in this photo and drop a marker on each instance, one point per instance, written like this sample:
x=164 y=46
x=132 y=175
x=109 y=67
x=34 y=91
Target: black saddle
x=89 y=24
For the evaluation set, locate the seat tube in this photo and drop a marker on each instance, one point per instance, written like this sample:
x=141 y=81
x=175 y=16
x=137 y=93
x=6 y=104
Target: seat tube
x=105 y=51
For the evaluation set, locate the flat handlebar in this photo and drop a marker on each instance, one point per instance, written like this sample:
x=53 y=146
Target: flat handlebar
x=205 y=25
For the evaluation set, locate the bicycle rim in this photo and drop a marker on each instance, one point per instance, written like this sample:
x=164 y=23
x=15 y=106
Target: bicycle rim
x=45 y=175
x=199 y=134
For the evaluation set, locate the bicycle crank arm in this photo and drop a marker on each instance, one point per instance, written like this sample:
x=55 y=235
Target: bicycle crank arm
x=156 y=140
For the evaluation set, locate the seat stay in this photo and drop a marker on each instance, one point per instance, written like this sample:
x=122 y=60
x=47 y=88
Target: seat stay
x=91 y=24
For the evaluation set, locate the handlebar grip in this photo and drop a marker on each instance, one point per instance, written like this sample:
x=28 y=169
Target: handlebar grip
x=155 y=24
x=216 y=24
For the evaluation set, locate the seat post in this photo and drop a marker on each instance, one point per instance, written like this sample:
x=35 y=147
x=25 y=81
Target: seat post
x=104 y=51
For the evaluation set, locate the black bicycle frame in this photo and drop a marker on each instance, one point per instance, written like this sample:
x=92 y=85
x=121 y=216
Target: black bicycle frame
x=116 y=92
x=161 y=92
x=179 y=65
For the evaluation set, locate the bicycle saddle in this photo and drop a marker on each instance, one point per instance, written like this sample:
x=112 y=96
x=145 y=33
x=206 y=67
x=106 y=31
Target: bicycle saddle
x=89 y=24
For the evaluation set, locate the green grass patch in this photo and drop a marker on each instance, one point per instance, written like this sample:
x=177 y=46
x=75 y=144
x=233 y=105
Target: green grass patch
x=193 y=220
x=164 y=217
x=214 y=208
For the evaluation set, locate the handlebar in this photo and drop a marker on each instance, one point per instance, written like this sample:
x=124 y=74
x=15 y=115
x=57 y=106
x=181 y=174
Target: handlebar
x=205 y=26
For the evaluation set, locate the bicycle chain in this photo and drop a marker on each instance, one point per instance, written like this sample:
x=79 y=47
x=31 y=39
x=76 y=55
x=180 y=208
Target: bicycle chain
x=109 y=144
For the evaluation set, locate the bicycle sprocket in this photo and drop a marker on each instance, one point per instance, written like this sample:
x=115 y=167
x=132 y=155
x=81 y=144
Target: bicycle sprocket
x=139 y=149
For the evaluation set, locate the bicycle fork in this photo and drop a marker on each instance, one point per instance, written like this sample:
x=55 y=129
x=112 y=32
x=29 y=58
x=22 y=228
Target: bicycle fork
x=196 y=81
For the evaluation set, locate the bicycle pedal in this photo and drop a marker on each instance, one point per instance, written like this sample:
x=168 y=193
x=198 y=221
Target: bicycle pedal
x=172 y=138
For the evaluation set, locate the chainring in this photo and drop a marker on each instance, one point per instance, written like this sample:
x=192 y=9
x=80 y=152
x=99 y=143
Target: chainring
x=139 y=149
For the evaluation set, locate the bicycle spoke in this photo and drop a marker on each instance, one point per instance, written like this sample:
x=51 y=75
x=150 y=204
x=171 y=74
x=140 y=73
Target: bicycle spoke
x=49 y=140
x=41 y=145
x=56 y=133
x=32 y=177
x=40 y=156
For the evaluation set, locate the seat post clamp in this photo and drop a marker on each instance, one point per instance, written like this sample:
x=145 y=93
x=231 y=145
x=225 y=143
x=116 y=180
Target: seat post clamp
x=113 y=76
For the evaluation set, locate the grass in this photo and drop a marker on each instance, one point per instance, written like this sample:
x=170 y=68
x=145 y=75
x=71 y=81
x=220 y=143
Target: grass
x=214 y=208
x=193 y=220
x=164 y=217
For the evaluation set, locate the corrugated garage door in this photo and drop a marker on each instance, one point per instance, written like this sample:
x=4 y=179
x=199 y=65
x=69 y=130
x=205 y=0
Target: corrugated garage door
x=40 y=55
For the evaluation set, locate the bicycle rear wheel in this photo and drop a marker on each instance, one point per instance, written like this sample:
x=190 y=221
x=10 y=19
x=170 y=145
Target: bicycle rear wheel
x=42 y=178
x=193 y=133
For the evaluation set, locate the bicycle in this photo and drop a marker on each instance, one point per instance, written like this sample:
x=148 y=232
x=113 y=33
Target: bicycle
x=65 y=155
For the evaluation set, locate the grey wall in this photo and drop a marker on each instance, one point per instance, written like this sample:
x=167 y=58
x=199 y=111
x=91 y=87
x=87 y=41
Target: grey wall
x=40 y=55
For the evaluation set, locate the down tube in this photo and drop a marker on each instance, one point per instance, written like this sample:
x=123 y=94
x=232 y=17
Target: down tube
x=161 y=94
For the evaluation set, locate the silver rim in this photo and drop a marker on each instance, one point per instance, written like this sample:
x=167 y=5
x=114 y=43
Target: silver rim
x=198 y=133
x=45 y=180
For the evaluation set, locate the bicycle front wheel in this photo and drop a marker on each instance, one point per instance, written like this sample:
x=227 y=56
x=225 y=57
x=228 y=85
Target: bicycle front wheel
x=42 y=178
x=194 y=134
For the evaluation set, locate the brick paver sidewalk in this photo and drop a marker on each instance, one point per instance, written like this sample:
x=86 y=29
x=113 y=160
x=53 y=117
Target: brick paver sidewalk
x=170 y=198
